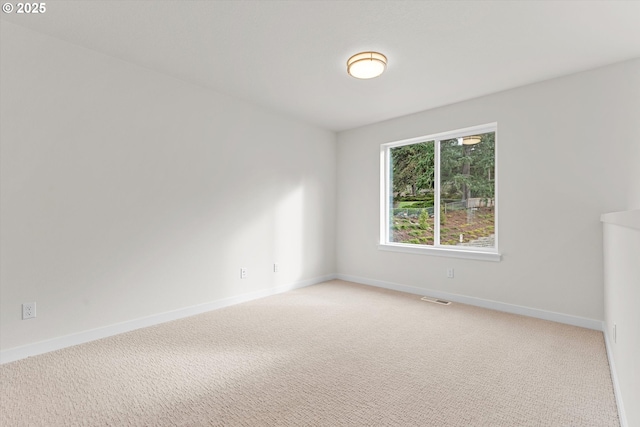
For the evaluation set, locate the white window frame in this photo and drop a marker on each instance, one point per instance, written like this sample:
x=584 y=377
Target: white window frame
x=468 y=252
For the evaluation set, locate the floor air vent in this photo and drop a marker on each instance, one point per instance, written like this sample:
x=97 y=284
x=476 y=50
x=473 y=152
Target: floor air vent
x=436 y=301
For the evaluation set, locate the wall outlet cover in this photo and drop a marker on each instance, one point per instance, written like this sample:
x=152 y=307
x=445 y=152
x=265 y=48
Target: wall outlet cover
x=28 y=310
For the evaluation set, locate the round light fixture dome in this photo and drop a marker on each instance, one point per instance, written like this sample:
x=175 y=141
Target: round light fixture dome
x=471 y=140
x=366 y=65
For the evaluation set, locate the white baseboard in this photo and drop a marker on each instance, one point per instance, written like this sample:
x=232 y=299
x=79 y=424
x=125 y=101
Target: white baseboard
x=479 y=302
x=17 y=353
x=614 y=377
x=57 y=343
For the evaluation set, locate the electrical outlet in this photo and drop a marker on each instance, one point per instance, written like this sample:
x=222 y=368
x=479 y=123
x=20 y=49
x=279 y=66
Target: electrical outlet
x=28 y=310
x=275 y=268
x=243 y=273
x=450 y=273
x=615 y=333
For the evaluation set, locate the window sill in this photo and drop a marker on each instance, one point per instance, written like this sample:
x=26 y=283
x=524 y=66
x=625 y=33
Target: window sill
x=444 y=252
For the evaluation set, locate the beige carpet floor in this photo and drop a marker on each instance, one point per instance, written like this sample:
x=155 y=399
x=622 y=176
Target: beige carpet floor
x=332 y=354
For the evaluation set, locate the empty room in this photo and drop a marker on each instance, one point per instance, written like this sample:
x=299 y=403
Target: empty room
x=320 y=213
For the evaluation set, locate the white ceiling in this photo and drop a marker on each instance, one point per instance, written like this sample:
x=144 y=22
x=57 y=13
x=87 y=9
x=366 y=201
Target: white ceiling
x=290 y=56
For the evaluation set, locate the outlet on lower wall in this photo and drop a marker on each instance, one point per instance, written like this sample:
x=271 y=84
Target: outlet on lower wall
x=243 y=273
x=450 y=273
x=615 y=333
x=28 y=310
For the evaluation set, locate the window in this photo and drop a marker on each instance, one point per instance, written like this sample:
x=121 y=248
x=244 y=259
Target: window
x=438 y=194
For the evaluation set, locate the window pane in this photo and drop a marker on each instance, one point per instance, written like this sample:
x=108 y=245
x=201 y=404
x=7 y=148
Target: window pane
x=411 y=194
x=467 y=186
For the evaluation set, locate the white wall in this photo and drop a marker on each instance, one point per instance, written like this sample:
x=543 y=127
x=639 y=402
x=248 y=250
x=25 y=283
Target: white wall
x=633 y=192
x=564 y=158
x=127 y=193
x=621 y=297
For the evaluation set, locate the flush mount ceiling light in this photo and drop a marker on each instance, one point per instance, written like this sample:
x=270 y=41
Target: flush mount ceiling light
x=471 y=140
x=366 y=65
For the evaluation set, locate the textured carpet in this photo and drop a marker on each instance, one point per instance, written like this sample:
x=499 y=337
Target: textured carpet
x=331 y=354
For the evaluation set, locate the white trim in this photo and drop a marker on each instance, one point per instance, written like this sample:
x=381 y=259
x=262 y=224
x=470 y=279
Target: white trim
x=553 y=316
x=58 y=343
x=384 y=185
x=496 y=191
x=472 y=130
x=622 y=416
x=440 y=251
x=437 y=209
